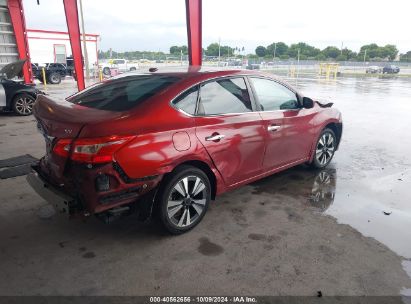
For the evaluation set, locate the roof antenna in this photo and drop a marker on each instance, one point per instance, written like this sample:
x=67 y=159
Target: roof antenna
x=152 y=70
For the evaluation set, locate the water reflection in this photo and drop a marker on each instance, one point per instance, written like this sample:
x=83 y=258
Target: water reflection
x=315 y=188
x=323 y=189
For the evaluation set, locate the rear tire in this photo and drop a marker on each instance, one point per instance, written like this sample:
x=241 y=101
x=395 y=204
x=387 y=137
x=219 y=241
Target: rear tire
x=23 y=104
x=183 y=199
x=54 y=78
x=324 y=149
x=133 y=69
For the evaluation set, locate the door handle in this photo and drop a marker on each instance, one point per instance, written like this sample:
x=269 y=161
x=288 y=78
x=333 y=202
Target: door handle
x=215 y=137
x=273 y=128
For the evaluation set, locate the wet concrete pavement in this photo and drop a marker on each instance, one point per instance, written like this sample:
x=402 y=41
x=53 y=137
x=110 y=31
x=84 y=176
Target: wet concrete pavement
x=374 y=162
x=294 y=233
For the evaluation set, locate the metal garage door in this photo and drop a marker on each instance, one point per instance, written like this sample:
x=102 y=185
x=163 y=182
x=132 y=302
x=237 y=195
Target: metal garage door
x=8 y=47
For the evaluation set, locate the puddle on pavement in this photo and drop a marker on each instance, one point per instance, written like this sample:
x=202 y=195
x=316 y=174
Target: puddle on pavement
x=316 y=187
x=407 y=267
x=372 y=166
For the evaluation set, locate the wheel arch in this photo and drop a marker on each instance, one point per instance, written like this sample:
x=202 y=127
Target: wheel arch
x=203 y=166
x=19 y=92
x=337 y=129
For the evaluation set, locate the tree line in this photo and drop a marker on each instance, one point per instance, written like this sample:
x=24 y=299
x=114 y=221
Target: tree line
x=305 y=51
x=279 y=50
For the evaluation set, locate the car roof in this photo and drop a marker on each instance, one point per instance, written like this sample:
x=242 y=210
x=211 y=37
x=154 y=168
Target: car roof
x=191 y=75
x=196 y=72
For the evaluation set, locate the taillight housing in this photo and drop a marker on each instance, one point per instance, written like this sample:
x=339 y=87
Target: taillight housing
x=91 y=150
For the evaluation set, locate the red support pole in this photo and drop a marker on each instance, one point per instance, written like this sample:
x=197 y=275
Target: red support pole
x=19 y=26
x=70 y=7
x=194 y=31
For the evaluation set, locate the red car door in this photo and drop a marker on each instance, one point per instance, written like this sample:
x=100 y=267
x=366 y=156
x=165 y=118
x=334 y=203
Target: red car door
x=231 y=132
x=288 y=134
x=298 y=129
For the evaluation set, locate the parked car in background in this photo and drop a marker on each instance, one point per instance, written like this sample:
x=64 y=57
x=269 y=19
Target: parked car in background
x=253 y=66
x=54 y=72
x=122 y=65
x=373 y=69
x=171 y=141
x=391 y=69
x=15 y=96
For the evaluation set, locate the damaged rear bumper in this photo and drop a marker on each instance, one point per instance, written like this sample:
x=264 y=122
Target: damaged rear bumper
x=62 y=202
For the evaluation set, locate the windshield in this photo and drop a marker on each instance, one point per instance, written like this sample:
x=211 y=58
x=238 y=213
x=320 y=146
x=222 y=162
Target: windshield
x=123 y=93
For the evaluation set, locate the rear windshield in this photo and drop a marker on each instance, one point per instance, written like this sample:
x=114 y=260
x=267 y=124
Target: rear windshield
x=123 y=93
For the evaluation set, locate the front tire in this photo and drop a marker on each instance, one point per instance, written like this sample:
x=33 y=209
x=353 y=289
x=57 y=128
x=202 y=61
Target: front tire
x=55 y=78
x=183 y=199
x=23 y=104
x=324 y=149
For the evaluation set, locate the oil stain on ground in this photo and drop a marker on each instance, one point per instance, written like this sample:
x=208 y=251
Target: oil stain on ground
x=257 y=237
x=208 y=248
x=89 y=255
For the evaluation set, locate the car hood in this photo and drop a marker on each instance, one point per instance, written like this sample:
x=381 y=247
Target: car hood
x=13 y=69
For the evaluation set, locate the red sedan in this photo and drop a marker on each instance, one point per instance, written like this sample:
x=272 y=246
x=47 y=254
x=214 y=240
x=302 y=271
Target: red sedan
x=169 y=142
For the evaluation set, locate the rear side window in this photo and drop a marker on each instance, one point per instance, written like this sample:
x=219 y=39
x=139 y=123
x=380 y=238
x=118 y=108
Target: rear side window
x=123 y=93
x=224 y=96
x=187 y=101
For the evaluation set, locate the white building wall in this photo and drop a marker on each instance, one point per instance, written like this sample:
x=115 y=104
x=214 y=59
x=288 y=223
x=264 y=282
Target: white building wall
x=41 y=44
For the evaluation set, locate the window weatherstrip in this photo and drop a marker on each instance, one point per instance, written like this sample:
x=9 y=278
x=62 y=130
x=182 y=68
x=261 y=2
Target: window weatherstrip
x=199 y=84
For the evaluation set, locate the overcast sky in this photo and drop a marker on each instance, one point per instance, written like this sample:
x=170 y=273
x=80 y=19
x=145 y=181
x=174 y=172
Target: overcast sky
x=126 y=25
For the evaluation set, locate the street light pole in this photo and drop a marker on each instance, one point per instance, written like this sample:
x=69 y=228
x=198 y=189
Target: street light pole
x=84 y=41
x=219 y=52
x=181 y=57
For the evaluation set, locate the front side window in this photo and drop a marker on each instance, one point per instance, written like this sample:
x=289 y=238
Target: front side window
x=187 y=101
x=224 y=96
x=122 y=93
x=273 y=96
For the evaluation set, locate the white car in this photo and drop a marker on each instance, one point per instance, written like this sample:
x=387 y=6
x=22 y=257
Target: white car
x=122 y=65
x=373 y=69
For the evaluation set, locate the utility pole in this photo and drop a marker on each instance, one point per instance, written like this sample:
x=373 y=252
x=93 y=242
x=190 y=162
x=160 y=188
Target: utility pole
x=219 y=51
x=181 y=57
x=342 y=44
x=365 y=54
x=298 y=66
x=275 y=48
x=84 y=41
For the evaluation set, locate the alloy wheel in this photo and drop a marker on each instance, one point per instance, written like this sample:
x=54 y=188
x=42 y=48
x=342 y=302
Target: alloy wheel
x=24 y=105
x=187 y=201
x=54 y=78
x=325 y=148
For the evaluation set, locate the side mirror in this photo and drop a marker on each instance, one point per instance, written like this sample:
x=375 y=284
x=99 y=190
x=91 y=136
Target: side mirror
x=308 y=103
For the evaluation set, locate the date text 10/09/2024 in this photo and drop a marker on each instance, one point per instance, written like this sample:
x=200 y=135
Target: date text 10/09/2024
x=207 y=299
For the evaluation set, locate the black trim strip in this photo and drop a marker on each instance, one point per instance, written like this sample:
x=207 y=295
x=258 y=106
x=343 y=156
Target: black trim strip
x=121 y=195
x=130 y=180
